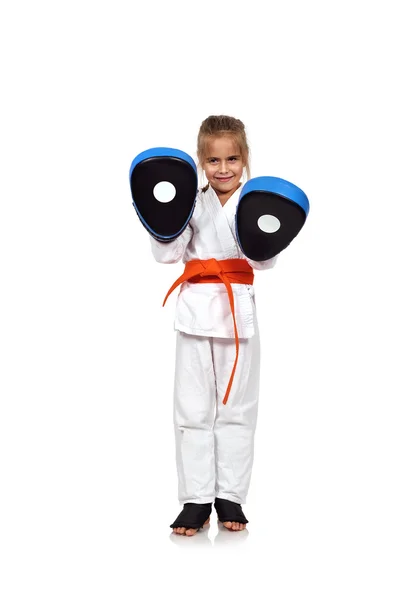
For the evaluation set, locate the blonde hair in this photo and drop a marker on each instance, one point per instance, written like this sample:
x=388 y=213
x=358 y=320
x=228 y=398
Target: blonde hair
x=218 y=126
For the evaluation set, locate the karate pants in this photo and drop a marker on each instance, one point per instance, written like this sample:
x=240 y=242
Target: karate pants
x=215 y=441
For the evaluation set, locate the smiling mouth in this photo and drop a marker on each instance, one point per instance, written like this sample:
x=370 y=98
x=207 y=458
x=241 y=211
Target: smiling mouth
x=224 y=179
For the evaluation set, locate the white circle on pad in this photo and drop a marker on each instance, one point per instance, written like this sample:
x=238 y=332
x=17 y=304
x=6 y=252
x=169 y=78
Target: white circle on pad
x=164 y=191
x=269 y=223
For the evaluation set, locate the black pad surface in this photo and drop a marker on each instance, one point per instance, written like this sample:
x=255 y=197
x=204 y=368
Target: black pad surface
x=255 y=243
x=164 y=219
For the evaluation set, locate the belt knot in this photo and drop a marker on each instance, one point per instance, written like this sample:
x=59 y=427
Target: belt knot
x=211 y=267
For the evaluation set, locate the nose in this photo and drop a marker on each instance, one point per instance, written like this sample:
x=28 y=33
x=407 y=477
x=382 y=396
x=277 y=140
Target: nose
x=223 y=168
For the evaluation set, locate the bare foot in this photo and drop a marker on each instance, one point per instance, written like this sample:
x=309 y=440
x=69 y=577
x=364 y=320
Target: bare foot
x=233 y=526
x=188 y=532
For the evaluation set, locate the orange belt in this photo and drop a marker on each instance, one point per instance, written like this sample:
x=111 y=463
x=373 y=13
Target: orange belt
x=233 y=270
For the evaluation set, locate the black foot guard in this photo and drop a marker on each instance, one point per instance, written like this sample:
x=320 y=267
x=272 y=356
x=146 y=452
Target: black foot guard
x=229 y=511
x=193 y=516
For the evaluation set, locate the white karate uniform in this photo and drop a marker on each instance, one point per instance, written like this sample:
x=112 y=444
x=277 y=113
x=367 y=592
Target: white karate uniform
x=214 y=442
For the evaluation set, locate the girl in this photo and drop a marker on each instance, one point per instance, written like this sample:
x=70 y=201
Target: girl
x=215 y=397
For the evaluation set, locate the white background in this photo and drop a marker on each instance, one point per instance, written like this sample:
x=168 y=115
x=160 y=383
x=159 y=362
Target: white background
x=88 y=480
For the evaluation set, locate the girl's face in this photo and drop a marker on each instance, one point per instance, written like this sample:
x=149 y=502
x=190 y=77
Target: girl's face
x=223 y=165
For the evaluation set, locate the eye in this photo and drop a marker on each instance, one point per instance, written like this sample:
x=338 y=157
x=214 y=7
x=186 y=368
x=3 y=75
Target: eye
x=212 y=160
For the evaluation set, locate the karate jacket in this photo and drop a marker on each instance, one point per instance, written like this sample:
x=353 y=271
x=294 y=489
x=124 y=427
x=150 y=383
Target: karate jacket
x=203 y=309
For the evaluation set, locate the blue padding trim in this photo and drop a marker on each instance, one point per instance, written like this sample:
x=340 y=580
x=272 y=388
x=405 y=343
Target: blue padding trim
x=166 y=152
x=278 y=186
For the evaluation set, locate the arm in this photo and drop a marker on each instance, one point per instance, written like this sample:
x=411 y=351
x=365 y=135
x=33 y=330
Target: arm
x=263 y=264
x=171 y=252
